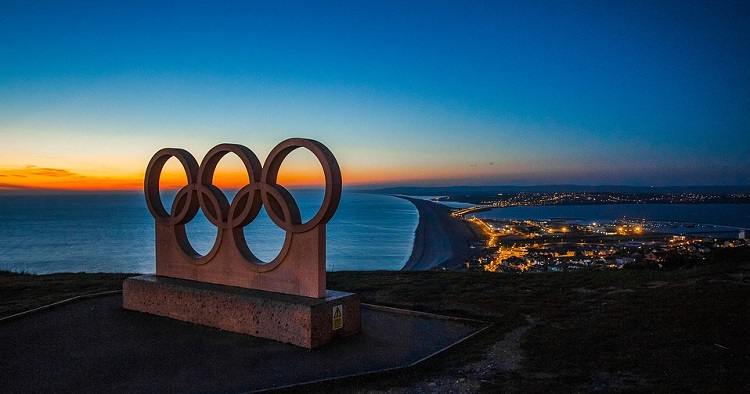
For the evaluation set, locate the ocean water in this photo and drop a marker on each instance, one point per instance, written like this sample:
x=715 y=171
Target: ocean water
x=726 y=218
x=115 y=232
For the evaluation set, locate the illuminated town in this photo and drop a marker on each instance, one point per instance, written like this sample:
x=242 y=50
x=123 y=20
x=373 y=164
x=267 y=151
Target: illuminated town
x=539 y=246
x=514 y=246
x=593 y=198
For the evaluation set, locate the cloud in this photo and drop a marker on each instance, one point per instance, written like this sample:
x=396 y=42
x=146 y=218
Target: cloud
x=13 y=187
x=32 y=171
x=50 y=172
x=8 y=186
x=33 y=177
x=36 y=178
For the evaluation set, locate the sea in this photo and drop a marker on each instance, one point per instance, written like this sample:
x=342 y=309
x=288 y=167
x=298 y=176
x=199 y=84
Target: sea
x=115 y=232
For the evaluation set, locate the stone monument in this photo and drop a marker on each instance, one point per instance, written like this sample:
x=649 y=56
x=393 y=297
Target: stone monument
x=229 y=287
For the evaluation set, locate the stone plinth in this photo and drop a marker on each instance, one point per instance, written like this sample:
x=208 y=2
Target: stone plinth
x=302 y=321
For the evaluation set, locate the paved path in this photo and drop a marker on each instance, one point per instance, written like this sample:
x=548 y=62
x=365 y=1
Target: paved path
x=94 y=345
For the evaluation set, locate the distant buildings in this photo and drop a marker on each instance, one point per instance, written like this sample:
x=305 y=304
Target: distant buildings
x=539 y=246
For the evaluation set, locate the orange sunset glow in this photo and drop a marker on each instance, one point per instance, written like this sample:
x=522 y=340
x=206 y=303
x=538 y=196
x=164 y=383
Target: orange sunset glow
x=235 y=180
x=300 y=169
x=41 y=178
x=631 y=94
x=49 y=179
x=298 y=173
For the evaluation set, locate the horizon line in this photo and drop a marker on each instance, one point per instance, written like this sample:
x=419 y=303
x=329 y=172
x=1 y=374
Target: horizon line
x=370 y=187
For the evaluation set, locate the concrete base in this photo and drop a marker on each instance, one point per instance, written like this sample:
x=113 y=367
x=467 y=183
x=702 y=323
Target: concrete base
x=302 y=321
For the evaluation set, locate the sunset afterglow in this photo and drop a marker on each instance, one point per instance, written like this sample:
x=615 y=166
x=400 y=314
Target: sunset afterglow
x=426 y=93
x=38 y=178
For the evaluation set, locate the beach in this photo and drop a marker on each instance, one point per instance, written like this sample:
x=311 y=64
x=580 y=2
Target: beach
x=440 y=239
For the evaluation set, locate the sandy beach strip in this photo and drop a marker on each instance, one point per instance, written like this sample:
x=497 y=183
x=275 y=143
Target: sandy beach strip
x=440 y=239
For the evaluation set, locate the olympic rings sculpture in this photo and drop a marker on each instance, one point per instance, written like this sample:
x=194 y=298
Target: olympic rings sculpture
x=231 y=217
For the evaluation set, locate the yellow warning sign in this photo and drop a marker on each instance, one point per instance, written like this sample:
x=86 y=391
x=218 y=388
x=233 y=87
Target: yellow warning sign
x=338 y=317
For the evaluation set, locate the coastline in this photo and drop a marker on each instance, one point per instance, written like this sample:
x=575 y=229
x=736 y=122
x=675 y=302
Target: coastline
x=439 y=239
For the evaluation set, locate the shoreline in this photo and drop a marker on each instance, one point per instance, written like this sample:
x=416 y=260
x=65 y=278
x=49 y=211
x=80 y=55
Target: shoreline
x=439 y=239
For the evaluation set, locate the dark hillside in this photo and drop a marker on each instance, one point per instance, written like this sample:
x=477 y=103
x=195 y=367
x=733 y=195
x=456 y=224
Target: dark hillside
x=590 y=331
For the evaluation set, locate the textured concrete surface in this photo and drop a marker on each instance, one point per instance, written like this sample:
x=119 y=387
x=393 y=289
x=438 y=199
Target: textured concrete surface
x=95 y=345
x=301 y=321
x=298 y=269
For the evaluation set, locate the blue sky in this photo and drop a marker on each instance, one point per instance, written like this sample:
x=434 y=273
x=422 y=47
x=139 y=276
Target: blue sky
x=431 y=93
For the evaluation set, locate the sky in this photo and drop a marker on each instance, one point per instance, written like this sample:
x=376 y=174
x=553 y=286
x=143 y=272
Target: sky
x=651 y=93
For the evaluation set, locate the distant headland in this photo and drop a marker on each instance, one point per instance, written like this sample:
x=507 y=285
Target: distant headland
x=454 y=190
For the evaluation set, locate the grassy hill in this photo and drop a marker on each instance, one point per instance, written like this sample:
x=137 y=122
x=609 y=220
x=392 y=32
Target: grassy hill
x=593 y=331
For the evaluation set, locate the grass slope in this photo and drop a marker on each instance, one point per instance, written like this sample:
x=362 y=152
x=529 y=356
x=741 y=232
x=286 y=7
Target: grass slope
x=610 y=331
x=683 y=330
x=21 y=292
